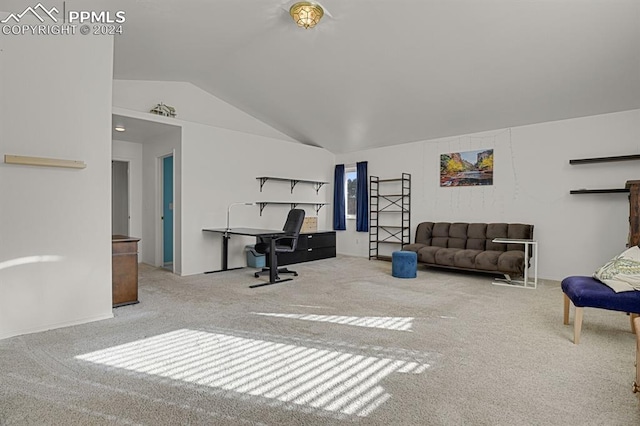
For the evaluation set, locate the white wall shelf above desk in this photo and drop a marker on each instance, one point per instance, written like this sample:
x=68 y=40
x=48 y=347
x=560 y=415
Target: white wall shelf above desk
x=293 y=204
x=316 y=183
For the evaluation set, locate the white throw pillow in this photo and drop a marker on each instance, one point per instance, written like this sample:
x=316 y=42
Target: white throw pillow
x=622 y=273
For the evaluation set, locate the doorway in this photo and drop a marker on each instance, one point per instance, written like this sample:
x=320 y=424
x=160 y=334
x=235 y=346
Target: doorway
x=167 y=212
x=120 y=198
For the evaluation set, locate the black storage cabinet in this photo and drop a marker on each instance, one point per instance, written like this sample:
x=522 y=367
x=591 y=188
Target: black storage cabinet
x=311 y=246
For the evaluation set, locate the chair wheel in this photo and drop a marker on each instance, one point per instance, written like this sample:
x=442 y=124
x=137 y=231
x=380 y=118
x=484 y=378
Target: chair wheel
x=257 y=275
x=295 y=274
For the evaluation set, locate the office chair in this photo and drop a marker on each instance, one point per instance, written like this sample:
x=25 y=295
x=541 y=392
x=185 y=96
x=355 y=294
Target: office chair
x=284 y=244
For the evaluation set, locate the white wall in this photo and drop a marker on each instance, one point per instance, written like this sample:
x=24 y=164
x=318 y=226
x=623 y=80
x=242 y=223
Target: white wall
x=218 y=157
x=532 y=179
x=220 y=167
x=55 y=223
x=192 y=104
x=132 y=153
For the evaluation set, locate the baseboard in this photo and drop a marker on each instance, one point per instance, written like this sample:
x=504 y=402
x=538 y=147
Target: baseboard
x=55 y=326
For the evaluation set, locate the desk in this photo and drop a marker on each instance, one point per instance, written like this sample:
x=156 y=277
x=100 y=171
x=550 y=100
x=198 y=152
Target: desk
x=526 y=243
x=250 y=232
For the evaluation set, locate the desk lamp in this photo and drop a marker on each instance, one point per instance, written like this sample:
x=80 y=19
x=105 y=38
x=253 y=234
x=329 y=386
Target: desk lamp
x=235 y=204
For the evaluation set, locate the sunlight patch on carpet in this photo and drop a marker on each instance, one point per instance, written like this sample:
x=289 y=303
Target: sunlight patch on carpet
x=388 y=323
x=329 y=380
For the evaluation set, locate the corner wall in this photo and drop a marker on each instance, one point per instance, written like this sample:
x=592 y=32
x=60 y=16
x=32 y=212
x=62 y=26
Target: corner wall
x=192 y=104
x=221 y=152
x=55 y=223
x=532 y=179
x=220 y=167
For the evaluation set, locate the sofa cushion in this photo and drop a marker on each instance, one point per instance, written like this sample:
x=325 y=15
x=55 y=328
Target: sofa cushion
x=477 y=230
x=441 y=229
x=488 y=260
x=427 y=254
x=511 y=261
x=445 y=256
x=496 y=230
x=459 y=243
x=466 y=258
x=413 y=247
x=476 y=244
x=490 y=245
x=439 y=242
x=423 y=233
x=458 y=230
x=520 y=231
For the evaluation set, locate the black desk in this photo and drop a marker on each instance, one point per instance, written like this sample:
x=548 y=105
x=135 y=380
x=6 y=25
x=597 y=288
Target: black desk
x=250 y=232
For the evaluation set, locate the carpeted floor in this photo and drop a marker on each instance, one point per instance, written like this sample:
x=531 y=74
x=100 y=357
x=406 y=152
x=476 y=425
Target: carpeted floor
x=343 y=343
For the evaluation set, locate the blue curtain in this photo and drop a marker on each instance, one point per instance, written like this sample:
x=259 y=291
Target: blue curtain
x=339 y=215
x=362 y=198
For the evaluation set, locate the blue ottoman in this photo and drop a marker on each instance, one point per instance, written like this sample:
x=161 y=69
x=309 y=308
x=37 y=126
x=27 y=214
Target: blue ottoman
x=404 y=264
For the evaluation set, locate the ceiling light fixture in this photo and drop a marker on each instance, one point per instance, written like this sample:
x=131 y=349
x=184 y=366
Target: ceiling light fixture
x=119 y=129
x=306 y=14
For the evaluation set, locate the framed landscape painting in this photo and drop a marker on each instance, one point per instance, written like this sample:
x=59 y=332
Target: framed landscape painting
x=468 y=168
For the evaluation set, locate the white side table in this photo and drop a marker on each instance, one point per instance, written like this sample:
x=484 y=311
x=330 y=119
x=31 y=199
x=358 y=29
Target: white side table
x=527 y=243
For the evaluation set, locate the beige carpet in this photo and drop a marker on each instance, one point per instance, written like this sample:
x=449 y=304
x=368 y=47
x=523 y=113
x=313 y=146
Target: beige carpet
x=343 y=343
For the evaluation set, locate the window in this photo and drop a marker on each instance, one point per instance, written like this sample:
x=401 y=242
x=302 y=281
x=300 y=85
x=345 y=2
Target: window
x=351 y=187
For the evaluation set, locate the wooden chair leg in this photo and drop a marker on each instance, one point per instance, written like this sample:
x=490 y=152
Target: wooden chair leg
x=633 y=324
x=577 y=326
x=636 y=383
x=566 y=309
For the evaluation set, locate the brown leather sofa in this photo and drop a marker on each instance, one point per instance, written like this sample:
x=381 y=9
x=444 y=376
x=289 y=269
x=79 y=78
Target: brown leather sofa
x=470 y=246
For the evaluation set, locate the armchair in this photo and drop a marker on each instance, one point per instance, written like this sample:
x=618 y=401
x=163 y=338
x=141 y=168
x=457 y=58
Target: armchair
x=283 y=244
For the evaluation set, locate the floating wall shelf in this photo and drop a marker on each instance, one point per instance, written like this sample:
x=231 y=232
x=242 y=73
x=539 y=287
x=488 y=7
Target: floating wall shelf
x=602 y=160
x=45 y=162
x=605 y=159
x=599 y=191
x=293 y=204
x=316 y=184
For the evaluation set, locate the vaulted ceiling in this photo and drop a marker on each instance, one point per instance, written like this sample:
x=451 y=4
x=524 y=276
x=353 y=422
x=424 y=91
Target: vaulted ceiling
x=383 y=72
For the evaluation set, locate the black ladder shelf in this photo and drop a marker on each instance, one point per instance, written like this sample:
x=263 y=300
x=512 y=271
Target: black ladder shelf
x=389 y=214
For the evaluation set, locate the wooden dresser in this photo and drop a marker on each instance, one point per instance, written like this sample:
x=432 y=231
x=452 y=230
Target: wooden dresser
x=124 y=270
x=634 y=212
